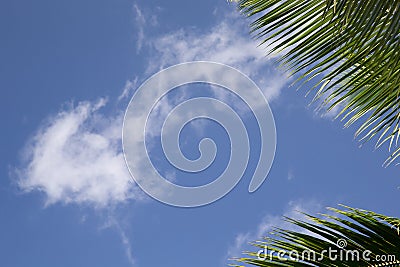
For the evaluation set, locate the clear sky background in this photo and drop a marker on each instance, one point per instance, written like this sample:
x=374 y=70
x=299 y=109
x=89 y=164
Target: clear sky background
x=67 y=72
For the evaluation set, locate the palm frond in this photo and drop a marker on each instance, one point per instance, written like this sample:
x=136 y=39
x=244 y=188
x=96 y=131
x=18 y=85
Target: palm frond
x=355 y=237
x=350 y=48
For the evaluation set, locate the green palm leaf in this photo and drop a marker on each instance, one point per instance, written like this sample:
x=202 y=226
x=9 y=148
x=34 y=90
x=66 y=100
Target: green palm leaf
x=355 y=237
x=351 y=50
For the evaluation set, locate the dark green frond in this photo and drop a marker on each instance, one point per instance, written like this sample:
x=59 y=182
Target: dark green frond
x=350 y=47
x=355 y=238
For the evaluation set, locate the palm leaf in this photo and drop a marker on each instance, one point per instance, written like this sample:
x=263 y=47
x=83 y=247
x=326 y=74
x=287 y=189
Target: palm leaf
x=349 y=48
x=349 y=231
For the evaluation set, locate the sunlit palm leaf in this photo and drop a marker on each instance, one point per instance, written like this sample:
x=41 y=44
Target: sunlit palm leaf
x=362 y=230
x=351 y=48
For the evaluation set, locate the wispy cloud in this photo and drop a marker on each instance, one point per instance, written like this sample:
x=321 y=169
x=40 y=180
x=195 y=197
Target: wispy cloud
x=140 y=23
x=227 y=42
x=143 y=21
x=267 y=224
x=129 y=88
x=114 y=223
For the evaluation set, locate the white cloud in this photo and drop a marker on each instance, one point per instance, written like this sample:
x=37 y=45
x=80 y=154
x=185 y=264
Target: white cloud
x=140 y=22
x=113 y=223
x=227 y=42
x=144 y=20
x=323 y=112
x=76 y=157
x=129 y=88
x=269 y=222
x=291 y=175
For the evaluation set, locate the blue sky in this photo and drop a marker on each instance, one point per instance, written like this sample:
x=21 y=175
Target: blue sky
x=67 y=72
